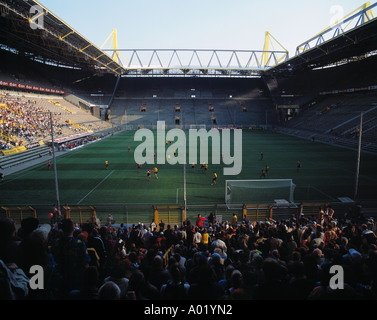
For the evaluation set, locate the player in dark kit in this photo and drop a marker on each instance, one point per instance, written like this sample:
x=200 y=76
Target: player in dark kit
x=149 y=172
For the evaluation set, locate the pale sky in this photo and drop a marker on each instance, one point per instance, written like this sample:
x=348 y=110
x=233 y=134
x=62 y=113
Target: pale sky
x=200 y=24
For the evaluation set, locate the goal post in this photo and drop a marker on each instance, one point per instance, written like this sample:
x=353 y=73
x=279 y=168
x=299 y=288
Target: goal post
x=240 y=192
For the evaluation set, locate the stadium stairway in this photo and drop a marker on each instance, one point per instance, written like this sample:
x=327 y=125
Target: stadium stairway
x=17 y=159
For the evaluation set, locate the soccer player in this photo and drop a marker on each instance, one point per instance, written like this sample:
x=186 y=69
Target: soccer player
x=49 y=164
x=155 y=172
x=214 y=178
x=106 y=164
x=193 y=165
x=261 y=155
x=129 y=148
x=298 y=165
x=266 y=169
x=204 y=167
x=263 y=175
x=149 y=172
x=138 y=167
x=1 y=177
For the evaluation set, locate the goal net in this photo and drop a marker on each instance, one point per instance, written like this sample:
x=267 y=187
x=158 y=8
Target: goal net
x=238 y=192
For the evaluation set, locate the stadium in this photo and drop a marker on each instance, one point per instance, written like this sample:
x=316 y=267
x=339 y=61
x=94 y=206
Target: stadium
x=70 y=112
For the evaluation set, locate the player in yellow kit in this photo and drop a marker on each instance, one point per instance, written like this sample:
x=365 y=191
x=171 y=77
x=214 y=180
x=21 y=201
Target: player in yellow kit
x=214 y=178
x=155 y=172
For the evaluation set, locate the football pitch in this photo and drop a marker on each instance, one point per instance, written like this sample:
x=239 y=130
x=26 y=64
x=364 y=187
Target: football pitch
x=327 y=173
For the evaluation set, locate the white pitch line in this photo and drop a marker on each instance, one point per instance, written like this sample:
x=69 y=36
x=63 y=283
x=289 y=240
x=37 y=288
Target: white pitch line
x=325 y=194
x=177 y=196
x=103 y=180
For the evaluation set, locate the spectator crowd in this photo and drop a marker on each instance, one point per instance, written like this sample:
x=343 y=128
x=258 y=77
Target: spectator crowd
x=205 y=259
x=25 y=121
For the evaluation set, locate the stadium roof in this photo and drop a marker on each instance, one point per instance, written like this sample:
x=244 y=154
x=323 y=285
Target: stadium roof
x=31 y=30
x=28 y=28
x=335 y=44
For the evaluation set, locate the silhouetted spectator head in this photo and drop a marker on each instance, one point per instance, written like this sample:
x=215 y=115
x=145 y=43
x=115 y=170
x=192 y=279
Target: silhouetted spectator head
x=67 y=227
x=273 y=270
x=7 y=231
x=109 y=291
x=28 y=225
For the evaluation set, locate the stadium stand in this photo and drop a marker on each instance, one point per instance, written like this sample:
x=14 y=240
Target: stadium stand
x=334 y=114
x=27 y=156
x=26 y=118
x=326 y=103
x=336 y=120
x=194 y=97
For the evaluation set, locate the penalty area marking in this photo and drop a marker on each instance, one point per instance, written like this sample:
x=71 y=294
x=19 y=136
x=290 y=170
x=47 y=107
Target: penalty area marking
x=103 y=180
x=325 y=194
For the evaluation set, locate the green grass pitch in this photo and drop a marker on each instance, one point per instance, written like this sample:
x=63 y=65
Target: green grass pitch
x=327 y=173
